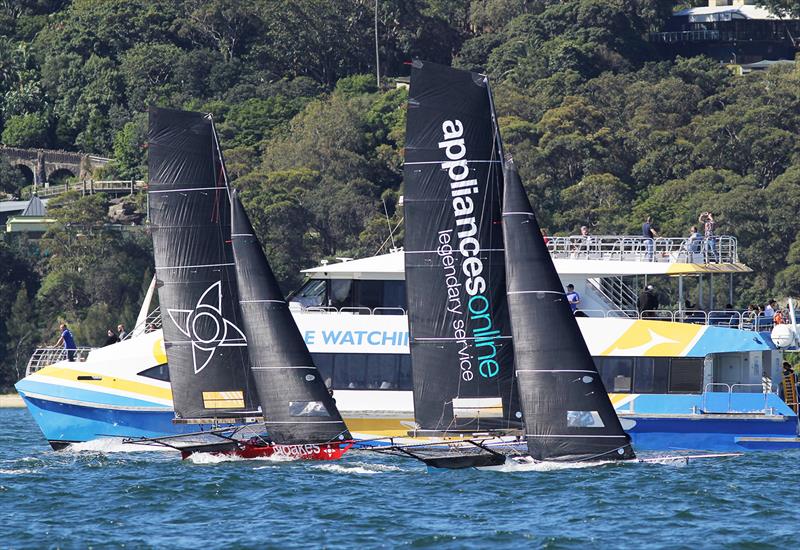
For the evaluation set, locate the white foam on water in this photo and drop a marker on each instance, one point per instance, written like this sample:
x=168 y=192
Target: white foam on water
x=544 y=466
x=112 y=445
x=213 y=458
x=17 y=472
x=357 y=468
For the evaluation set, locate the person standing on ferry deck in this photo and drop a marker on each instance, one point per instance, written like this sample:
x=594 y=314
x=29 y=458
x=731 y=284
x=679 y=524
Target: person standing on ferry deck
x=709 y=226
x=68 y=341
x=573 y=297
x=649 y=233
x=121 y=332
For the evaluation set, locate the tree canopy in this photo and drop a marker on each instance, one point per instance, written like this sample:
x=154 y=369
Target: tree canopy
x=605 y=128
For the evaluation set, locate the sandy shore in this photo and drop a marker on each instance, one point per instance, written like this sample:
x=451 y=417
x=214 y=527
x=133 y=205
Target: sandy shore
x=10 y=401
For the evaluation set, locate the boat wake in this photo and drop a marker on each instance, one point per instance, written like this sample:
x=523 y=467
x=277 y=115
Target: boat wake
x=513 y=466
x=358 y=468
x=112 y=445
x=217 y=458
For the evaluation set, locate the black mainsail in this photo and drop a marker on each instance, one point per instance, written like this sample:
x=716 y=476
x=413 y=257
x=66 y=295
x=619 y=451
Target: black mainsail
x=462 y=357
x=190 y=222
x=297 y=406
x=568 y=414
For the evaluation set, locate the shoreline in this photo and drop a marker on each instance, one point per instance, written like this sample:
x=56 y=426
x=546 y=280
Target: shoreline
x=11 y=401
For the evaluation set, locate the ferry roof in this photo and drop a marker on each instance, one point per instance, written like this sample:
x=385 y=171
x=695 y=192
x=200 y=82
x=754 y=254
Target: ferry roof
x=383 y=267
x=392 y=267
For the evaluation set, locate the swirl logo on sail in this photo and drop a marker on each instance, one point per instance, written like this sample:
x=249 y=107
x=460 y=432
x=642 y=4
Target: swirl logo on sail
x=206 y=327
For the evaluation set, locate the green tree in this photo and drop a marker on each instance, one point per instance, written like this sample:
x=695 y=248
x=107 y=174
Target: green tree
x=28 y=130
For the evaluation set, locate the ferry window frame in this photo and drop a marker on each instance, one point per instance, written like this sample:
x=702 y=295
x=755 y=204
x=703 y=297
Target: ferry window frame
x=158 y=372
x=385 y=295
x=365 y=371
x=663 y=379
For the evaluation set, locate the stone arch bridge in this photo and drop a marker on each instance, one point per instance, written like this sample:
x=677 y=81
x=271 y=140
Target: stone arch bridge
x=42 y=164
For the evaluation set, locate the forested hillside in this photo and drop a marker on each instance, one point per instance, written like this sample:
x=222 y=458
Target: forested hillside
x=604 y=128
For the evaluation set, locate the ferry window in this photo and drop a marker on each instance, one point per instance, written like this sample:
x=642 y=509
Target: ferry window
x=159 y=372
x=360 y=371
x=617 y=373
x=394 y=294
x=324 y=363
x=584 y=419
x=381 y=294
x=651 y=375
x=307 y=408
x=686 y=376
x=312 y=294
x=382 y=372
x=350 y=371
x=370 y=294
x=340 y=294
x=404 y=381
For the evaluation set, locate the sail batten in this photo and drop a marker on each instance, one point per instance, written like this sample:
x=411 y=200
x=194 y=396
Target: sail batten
x=568 y=414
x=297 y=406
x=194 y=267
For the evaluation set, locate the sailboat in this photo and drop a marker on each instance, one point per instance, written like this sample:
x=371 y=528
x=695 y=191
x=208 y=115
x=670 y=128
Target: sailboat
x=495 y=349
x=300 y=415
x=568 y=414
x=238 y=364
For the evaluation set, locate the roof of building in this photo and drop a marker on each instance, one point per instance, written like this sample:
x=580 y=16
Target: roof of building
x=725 y=13
x=13 y=206
x=35 y=207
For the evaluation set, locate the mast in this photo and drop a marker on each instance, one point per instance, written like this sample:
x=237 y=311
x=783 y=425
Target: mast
x=460 y=334
x=568 y=414
x=189 y=213
x=297 y=406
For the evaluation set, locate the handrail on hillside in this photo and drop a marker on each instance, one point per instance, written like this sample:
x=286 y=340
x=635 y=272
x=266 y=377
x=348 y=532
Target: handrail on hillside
x=90 y=187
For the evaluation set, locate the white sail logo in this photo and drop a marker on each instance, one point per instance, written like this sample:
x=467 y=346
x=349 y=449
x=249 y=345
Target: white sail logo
x=206 y=327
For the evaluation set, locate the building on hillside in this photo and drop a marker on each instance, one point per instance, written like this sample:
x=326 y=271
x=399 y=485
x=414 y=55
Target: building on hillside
x=33 y=220
x=732 y=31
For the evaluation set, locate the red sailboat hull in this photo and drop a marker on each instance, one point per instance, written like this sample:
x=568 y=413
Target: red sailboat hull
x=260 y=449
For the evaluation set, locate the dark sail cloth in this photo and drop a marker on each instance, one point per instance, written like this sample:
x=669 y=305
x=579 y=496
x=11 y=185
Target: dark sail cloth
x=568 y=414
x=460 y=338
x=297 y=406
x=190 y=222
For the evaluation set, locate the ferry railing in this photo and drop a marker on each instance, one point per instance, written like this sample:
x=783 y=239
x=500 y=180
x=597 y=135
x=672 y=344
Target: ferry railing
x=44 y=357
x=730 y=389
x=360 y=310
x=657 y=315
x=712 y=385
x=152 y=322
x=388 y=311
x=722 y=248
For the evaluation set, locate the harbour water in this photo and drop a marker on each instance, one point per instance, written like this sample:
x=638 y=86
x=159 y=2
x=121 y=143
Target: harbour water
x=95 y=497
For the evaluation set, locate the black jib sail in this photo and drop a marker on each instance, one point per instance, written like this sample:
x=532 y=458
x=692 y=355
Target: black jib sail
x=461 y=352
x=190 y=222
x=297 y=406
x=568 y=415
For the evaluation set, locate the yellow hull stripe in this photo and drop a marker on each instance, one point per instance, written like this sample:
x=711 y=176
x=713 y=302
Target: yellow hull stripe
x=107 y=382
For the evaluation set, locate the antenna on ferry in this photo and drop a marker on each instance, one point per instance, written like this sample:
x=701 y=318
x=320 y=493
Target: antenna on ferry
x=388 y=222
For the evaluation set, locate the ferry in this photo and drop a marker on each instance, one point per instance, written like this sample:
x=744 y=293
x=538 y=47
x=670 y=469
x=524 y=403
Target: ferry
x=700 y=379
